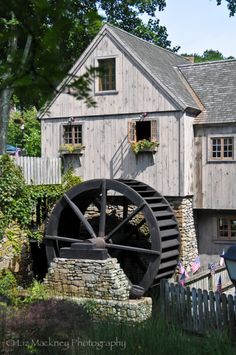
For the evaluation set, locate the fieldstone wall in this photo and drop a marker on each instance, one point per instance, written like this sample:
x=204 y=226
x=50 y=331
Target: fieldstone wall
x=15 y=254
x=183 y=208
x=100 y=282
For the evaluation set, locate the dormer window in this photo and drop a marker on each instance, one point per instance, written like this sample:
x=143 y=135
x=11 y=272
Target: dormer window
x=107 y=76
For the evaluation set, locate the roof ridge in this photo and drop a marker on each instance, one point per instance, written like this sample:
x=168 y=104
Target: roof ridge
x=149 y=43
x=222 y=61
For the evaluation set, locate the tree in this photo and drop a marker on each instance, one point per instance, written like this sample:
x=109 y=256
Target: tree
x=36 y=42
x=208 y=55
x=126 y=15
x=41 y=40
x=231 y=4
x=24 y=131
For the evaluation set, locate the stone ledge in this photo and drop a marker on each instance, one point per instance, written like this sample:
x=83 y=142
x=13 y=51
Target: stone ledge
x=132 y=311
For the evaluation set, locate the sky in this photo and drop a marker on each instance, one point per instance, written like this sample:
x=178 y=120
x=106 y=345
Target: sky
x=197 y=25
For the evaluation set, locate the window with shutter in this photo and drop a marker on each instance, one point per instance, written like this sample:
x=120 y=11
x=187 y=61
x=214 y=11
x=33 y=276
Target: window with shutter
x=143 y=135
x=132 y=132
x=139 y=130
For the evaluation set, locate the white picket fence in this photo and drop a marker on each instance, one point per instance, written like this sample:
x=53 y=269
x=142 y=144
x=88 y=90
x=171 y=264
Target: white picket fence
x=40 y=171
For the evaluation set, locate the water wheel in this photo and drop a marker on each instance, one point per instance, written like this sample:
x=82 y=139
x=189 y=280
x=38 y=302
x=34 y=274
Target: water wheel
x=129 y=218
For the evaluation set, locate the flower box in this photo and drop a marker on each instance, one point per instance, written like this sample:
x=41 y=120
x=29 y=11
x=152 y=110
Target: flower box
x=70 y=149
x=144 y=146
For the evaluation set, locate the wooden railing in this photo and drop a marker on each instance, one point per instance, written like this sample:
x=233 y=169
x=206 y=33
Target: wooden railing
x=197 y=310
x=208 y=281
x=40 y=171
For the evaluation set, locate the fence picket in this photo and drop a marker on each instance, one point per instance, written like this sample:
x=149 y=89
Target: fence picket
x=194 y=305
x=40 y=171
x=206 y=309
x=232 y=325
x=198 y=310
x=218 y=311
x=189 y=308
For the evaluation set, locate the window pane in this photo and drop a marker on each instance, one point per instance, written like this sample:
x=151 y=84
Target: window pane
x=67 y=135
x=216 y=147
x=72 y=134
x=222 y=148
x=227 y=227
x=107 y=79
x=228 y=147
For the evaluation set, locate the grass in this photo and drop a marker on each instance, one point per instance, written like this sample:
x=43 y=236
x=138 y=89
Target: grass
x=62 y=327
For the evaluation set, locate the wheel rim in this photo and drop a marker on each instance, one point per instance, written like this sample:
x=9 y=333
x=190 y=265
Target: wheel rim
x=140 y=201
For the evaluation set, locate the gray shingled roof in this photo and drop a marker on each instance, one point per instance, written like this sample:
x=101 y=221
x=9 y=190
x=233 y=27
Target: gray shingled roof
x=215 y=85
x=161 y=63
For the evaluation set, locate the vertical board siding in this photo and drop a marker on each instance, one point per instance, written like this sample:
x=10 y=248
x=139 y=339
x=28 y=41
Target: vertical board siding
x=196 y=310
x=108 y=153
x=134 y=91
x=40 y=171
x=213 y=178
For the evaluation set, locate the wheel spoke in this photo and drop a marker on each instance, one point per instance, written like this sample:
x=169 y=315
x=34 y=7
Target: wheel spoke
x=129 y=248
x=102 y=220
x=63 y=239
x=81 y=217
x=125 y=221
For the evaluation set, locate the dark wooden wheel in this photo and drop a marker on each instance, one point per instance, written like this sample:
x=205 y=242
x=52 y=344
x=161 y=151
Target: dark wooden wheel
x=132 y=220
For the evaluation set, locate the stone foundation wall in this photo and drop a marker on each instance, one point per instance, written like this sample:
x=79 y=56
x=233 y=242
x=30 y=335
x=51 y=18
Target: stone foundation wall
x=88 y=278
x=101 y=284
x=183 y=208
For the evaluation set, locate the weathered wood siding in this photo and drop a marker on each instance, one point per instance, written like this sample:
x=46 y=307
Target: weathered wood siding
x=214 y=182
x=105 y=128
x=186 y=159
x=208 y=241
x=108 y=153
x=135 y=93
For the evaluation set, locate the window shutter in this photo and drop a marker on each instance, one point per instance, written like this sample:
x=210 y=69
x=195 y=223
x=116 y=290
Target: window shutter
x=132 y=131
x=154 y=130
x=62 y=134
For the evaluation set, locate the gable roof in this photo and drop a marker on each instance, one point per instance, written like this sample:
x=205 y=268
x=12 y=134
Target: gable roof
x=215 y=85
x=159 y=63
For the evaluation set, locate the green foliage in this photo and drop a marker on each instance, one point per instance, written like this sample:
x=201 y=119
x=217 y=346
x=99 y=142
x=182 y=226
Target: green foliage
x=143 y=145
x=126 y=15
x=69 y=180
x=231 y=4
x=14 y=196
x=71 y=148
x=8 y=284
x=208 y=55
x=36 y=292
x=18 y=201
x=24 y=132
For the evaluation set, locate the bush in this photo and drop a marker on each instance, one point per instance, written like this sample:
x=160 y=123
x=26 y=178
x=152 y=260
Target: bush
x=8 y=286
